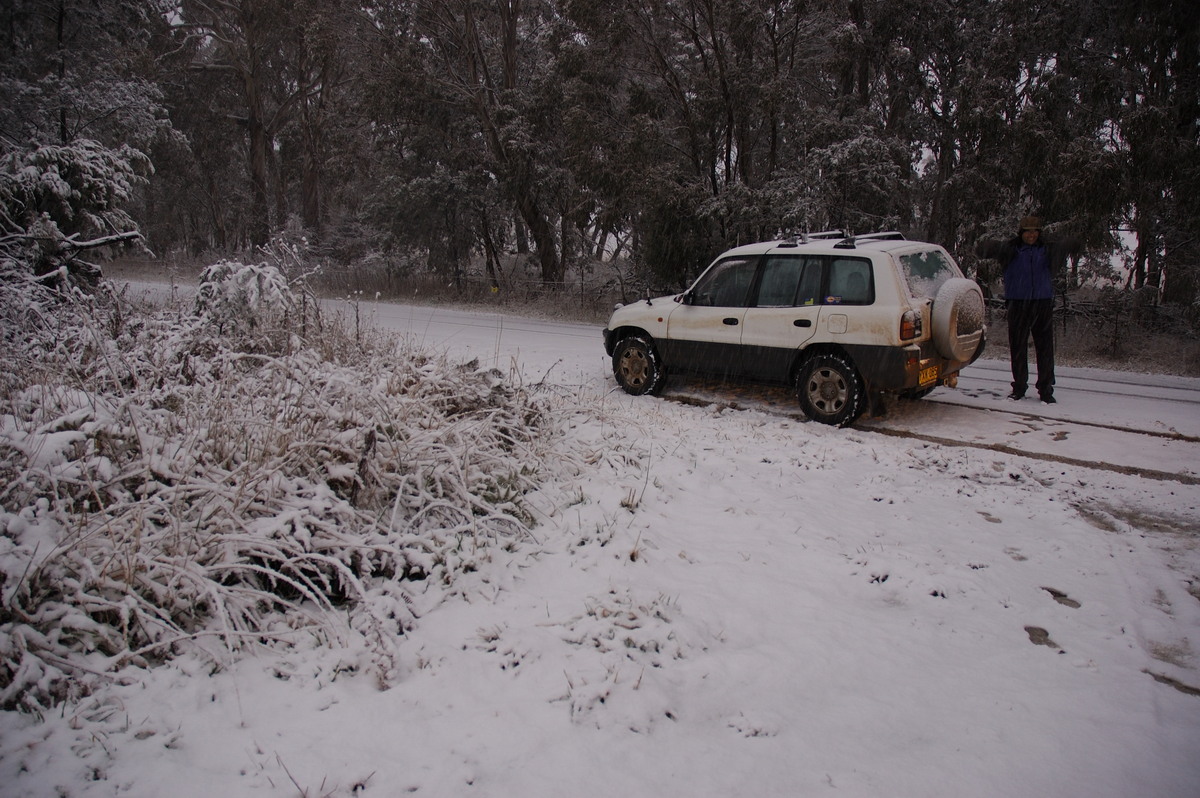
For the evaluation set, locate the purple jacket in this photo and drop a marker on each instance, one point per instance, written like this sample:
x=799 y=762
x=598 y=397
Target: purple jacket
x=1029 y=270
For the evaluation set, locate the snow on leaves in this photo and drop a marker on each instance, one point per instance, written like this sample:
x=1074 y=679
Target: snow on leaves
x=234 y=295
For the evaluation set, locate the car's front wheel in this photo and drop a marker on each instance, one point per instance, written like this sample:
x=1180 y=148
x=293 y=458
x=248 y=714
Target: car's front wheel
x=830 y=390
x=637 y=367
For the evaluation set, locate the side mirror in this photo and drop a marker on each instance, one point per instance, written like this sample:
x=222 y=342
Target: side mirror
x=684 y=298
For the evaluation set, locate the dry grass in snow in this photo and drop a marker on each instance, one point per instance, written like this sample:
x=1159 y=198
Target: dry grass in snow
x=243 y=473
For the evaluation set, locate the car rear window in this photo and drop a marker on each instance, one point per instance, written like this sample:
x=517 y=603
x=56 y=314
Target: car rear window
x=850 y=282
x=926 y=272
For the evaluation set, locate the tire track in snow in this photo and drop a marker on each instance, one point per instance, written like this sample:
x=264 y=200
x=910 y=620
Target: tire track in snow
x=1002 y=448
x=1166 y=435
x=703 y=393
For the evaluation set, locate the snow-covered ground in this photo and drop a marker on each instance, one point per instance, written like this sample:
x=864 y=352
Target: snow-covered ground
x=970 y=597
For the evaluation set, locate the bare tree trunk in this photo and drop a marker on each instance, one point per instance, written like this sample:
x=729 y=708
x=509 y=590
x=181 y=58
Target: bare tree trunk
x=491 y=252
x=256 y=129
x=260 y=224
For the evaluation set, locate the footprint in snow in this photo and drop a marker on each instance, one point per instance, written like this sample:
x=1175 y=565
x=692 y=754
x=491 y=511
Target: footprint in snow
x=1062 y=598
x=1016 y=554
x=1040 y=637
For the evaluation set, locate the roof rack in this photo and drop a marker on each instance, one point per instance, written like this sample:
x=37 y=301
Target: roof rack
x=826 y=234
x=850 y=242
x=795 y=239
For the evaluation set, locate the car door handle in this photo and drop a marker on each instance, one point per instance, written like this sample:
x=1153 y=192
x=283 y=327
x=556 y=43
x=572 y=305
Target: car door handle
x=731 y=321
x=802 y=323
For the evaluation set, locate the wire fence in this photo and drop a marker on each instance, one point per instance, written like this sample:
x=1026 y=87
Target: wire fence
x=1114 y=308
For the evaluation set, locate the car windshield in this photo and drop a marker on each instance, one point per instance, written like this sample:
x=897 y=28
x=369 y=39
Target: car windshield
x=927 y=271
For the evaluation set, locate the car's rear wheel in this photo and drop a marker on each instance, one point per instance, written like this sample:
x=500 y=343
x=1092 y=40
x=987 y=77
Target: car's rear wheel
x=637 y=367
x=830 y=390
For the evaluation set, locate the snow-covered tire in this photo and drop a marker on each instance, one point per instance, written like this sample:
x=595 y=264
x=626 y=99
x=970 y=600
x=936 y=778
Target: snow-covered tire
x=637 y=367
x=958 y=319
x=830 y=390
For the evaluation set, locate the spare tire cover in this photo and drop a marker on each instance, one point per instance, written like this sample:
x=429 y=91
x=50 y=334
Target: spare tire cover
x=958 y=315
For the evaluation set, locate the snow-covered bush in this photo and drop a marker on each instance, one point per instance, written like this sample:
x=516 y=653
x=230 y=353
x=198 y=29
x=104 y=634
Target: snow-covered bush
x=244 y=300
x=80 y=186
x=57 y=201
x=163 y=492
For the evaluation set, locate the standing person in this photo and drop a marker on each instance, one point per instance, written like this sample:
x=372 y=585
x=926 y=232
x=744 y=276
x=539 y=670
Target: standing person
x=1030 y=263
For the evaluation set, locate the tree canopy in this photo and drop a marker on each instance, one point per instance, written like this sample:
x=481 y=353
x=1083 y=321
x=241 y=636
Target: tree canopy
x=656 y=132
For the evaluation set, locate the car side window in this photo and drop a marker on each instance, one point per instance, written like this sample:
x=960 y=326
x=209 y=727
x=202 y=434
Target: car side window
x=726 y=284
x=780 y=277
x=789 y=281
x=850 y=282
x=809 y=292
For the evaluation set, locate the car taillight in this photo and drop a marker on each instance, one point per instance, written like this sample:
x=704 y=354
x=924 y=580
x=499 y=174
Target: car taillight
x=910 y=325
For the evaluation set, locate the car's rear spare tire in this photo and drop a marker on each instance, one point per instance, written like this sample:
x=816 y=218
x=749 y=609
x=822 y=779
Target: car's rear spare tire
x=637 y=367
x=830 y=390
x=958 y=319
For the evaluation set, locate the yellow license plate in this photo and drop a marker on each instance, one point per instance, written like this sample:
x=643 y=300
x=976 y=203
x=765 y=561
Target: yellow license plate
x=928 y=375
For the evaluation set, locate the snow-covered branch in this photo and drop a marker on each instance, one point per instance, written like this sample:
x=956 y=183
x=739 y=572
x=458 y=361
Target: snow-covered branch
x=73 y=242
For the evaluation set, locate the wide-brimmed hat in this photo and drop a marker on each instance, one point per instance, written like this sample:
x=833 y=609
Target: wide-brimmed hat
x=1030 y=223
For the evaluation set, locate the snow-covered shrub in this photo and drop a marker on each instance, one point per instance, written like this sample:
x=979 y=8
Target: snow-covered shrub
x=81 y=185
x=246 y=301
x=261 y=304
x=59 y=200
x=163 y=492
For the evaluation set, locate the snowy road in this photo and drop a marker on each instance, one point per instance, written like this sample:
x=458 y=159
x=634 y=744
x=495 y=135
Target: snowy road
x=1141 y=424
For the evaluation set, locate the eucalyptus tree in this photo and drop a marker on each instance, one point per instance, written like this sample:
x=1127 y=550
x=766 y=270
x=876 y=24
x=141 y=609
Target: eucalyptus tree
x=935 y=79
x=712 y=120
x=322 y=60
x=496 y=62
x=1152 y=55
x=275 y=63
x=1102 y=138
x=1001 y=107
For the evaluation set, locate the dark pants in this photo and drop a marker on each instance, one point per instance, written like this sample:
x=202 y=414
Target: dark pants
x=1031 y=317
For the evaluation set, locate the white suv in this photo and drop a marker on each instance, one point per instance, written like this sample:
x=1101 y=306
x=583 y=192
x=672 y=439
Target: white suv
x=843 y=319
